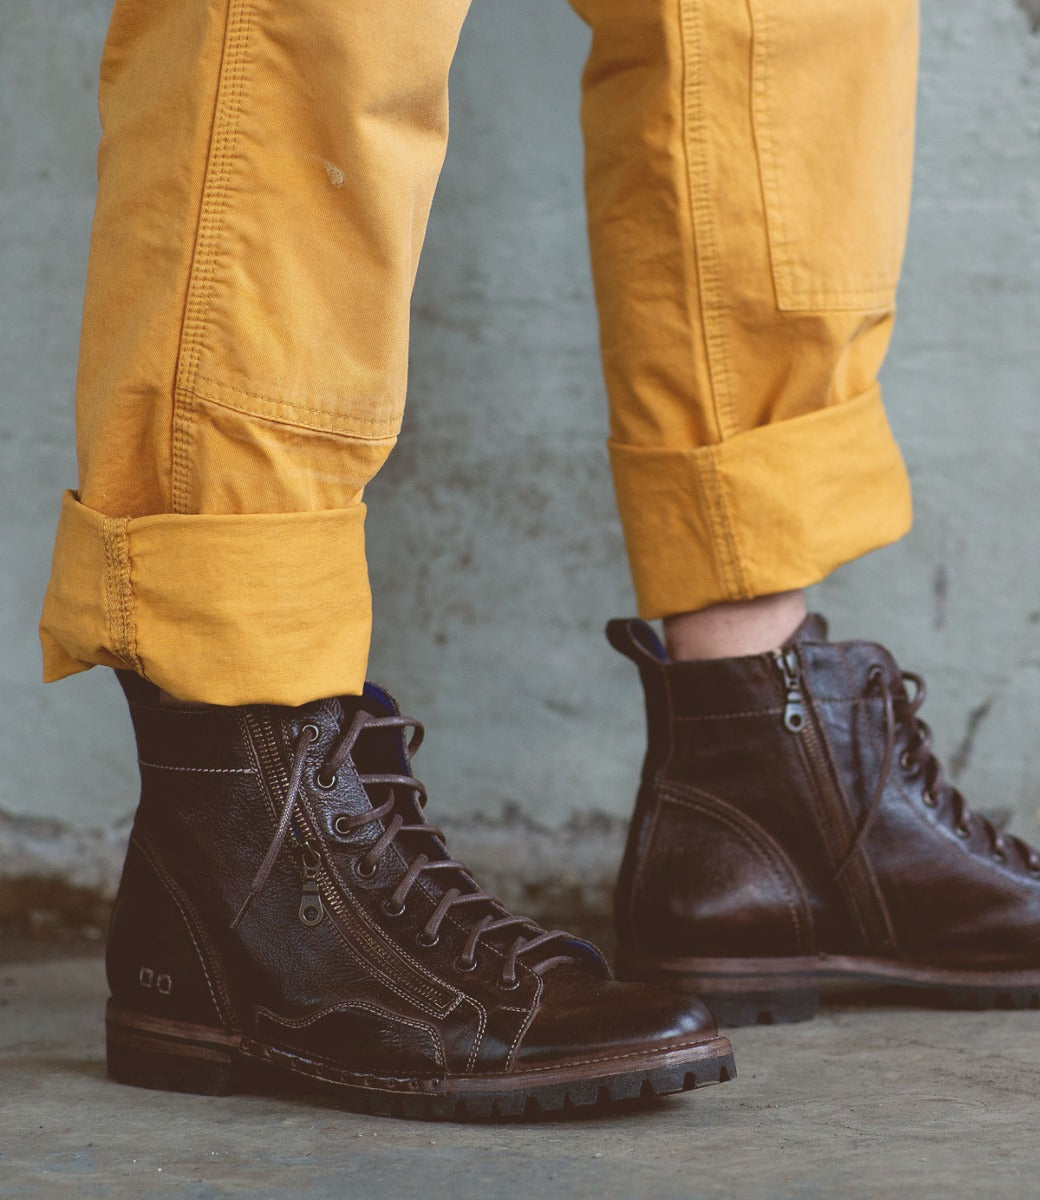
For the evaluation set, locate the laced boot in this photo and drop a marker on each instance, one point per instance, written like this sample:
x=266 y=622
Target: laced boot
x=794 y=830
x=286 y=908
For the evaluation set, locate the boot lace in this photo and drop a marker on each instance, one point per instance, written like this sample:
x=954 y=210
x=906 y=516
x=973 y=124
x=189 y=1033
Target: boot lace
x=919 y=762
x=463 y=891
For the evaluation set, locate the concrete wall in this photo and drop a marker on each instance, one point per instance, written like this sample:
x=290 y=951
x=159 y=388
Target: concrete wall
x=496 y=555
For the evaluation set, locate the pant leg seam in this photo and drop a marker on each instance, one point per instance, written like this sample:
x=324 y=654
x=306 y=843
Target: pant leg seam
x=705 y=240
x=119 y=598
x=112 y=599
x=213 y=202
x=725 y=535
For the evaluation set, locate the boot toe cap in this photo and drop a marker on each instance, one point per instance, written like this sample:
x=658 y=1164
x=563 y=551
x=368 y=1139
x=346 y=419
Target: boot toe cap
x=599 y=1019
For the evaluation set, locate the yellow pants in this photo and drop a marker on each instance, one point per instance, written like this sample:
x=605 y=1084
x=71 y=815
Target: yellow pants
x=265 y=175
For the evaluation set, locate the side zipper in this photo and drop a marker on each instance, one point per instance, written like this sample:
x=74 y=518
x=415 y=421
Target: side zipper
x=321 y=895
x=319 y=889
x=316 y=885
x=794 y=706
x=312 y=911
x=796 y=721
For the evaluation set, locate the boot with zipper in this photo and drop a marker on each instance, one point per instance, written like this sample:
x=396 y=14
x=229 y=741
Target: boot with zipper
x=286 y=909
x=793 y=831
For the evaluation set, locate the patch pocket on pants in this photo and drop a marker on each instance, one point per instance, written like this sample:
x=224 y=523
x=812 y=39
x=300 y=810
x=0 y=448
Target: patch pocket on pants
x=833 y=90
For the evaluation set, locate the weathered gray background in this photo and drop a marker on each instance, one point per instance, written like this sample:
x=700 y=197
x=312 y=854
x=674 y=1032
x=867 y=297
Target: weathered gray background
x=496 y=555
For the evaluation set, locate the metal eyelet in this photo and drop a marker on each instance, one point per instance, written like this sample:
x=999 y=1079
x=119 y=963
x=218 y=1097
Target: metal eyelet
x=427 y=943
x=505 y=986
x=326 y=785
x=465 y=966
x=312 y=729
x=962 y=831
x=905 y=761
x=361 y=872
x=999 y=856
x=392 y=910
x=930 y=800
x=341 y=826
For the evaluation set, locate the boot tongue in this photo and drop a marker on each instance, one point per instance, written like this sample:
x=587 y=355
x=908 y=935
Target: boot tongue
x=380 y=751
x=812 y=629
x=377 y=751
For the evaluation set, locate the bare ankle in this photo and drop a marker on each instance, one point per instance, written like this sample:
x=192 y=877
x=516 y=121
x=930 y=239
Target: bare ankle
x=735 y=628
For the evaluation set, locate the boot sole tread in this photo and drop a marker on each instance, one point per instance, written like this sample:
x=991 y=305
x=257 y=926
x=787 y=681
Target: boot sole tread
x=145 y=1051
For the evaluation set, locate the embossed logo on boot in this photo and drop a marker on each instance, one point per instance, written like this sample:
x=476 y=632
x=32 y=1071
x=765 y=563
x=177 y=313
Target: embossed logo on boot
x=148 y=978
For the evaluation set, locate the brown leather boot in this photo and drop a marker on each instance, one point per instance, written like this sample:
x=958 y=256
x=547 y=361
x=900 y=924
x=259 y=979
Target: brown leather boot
x=793 y=829
x=285 y=906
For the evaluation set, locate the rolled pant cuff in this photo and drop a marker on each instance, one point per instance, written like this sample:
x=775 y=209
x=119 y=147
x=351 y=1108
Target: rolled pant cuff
x=776 y=508
x=268 y=608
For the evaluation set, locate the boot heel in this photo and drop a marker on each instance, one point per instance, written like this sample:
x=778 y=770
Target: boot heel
x=741 y=991
x=171 y=1056
x=762 y=1008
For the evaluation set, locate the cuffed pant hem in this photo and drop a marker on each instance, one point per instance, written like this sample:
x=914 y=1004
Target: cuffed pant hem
x=250 y=609
x=776 y=508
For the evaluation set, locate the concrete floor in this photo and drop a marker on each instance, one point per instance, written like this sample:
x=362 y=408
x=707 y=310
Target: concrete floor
x=860 y=1103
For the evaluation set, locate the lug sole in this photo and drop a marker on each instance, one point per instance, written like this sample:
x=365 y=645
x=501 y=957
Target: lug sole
x=767 y=991
x=149 y=1052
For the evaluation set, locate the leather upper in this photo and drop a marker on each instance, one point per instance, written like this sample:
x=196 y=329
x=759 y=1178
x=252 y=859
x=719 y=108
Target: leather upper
x=357 y=986
x=751 y=839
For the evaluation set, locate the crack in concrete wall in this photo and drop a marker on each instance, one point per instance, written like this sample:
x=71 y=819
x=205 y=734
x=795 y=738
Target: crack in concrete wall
x=960 y=758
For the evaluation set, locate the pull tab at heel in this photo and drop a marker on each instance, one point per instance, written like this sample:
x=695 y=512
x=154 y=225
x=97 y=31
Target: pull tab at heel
x=636 y=640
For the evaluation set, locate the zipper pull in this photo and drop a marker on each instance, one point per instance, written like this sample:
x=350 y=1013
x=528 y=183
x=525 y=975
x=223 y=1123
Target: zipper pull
x=794 y=706
x=312 y=911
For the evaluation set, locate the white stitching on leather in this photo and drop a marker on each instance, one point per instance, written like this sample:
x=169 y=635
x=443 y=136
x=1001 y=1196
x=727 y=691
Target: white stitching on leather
x=714 y=807
x=201 y=770
x=374 y=1009
x=226 y=1010
x=525 y=1025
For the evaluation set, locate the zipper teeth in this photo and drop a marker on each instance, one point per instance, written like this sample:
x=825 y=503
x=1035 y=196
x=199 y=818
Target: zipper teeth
x=808 y=734
x=330 y=894
x=328 y=890
x=327 y=887
x=429 y=993
x=271 y=764
x=819 y=769
x=267 y=751
x=870 y=911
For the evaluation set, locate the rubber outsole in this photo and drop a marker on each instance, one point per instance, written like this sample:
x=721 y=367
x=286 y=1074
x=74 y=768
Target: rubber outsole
x=172 y=1056
x=768 y=991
